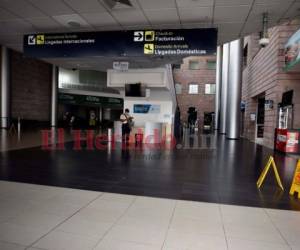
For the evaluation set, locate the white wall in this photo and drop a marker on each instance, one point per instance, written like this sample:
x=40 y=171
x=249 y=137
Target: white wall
x=161 y=87
x=156 y=77
x=165 y=115
x=85 y=92
x=69 y=76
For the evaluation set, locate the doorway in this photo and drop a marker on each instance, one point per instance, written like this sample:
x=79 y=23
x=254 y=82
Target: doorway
x=260 y=120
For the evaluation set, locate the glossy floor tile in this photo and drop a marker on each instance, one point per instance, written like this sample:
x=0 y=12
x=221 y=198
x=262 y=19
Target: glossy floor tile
x=108 y=221
x=209 y=169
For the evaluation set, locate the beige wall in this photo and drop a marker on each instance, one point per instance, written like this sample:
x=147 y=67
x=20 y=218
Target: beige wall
x=30 y=88
x=201 y=76
x=264 y=75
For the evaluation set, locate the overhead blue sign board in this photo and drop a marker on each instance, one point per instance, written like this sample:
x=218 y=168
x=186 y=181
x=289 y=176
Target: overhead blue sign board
x=181 y=42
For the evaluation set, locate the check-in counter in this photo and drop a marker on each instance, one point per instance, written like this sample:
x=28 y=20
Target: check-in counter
x=153 y=132
x=118 y=131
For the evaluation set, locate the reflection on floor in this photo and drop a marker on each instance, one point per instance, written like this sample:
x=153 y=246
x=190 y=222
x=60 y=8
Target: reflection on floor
x=12 y=140
x=41 y=217
x=202 y=168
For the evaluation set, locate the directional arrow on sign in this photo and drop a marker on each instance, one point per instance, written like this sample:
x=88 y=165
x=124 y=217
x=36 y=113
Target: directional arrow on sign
x=31 y=40
x=138 y=36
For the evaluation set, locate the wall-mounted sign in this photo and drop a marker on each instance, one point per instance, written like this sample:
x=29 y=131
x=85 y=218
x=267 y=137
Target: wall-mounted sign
x=243 y=106
x=88 y=100
x=180 y=42
x=292 y=51
x=122 y=66
x=269 y=104
x=253 y=117
x=146 y=108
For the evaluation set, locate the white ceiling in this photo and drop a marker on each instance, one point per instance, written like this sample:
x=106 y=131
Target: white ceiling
x=233 y=18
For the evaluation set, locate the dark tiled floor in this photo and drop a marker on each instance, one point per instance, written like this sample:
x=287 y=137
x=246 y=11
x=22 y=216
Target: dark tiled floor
x=225 y=174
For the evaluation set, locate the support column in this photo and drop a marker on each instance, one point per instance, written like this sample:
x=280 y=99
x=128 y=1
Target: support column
x=218 y=85
x=54 y=93
x=234 y=90
x=100 y=114
x=5 y=87
x=223 y=104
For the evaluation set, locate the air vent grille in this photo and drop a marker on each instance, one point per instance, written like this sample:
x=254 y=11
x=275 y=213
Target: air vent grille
x=118 y=4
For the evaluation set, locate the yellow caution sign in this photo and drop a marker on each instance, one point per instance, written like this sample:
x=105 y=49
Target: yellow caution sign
x=40 y=39
x=271 y=163
x=149 y=49
x=295 y=188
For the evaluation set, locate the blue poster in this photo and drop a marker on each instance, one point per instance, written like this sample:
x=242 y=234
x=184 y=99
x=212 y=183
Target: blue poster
x=146 y=109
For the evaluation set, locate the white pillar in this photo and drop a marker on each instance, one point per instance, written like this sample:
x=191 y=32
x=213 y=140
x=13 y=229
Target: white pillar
x=223 y=106
x=218 y=85
x=5 y=86
x=54 y=93
x=100 y=114
x=234 y=90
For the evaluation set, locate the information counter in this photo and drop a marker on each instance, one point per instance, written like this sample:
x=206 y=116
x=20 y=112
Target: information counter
x=153 y=132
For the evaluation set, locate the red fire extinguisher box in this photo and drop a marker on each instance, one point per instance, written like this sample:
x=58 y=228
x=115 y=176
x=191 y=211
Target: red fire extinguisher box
x=287 y=140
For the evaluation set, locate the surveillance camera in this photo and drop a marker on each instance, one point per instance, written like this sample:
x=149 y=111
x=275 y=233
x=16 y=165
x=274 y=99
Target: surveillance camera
x=263 y=42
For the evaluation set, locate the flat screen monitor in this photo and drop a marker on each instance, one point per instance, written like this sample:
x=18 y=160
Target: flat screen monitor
x=134 y=90
x=287 y=98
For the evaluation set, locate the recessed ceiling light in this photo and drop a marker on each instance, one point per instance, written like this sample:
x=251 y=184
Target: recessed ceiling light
x=74 y=24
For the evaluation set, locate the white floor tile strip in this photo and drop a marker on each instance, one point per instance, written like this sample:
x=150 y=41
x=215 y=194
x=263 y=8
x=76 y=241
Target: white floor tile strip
x=34 y=217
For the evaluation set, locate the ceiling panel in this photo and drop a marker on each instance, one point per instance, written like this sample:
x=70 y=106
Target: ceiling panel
x=227 y=37
x=65 y=19
x=197 y=14
x=229 y=16
x=234 y=14
x=162 y=16
x=137 y=27
x=196 y=25
x=275 y=11
x=293 y=11
x=251 y=27
x=166 y=26
x=233 y=2
x=6 y=15
x=229 y=27
x=53 y=7
x=11 y=39
x=107 y=28
x=194 y=3
x=99 y=19
x=45 y=24
x=22 y=8
x=17 y=26
x=120 y=6
x=86 y=6
x=283 y=2
x=157 y=4
x=130 y=16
